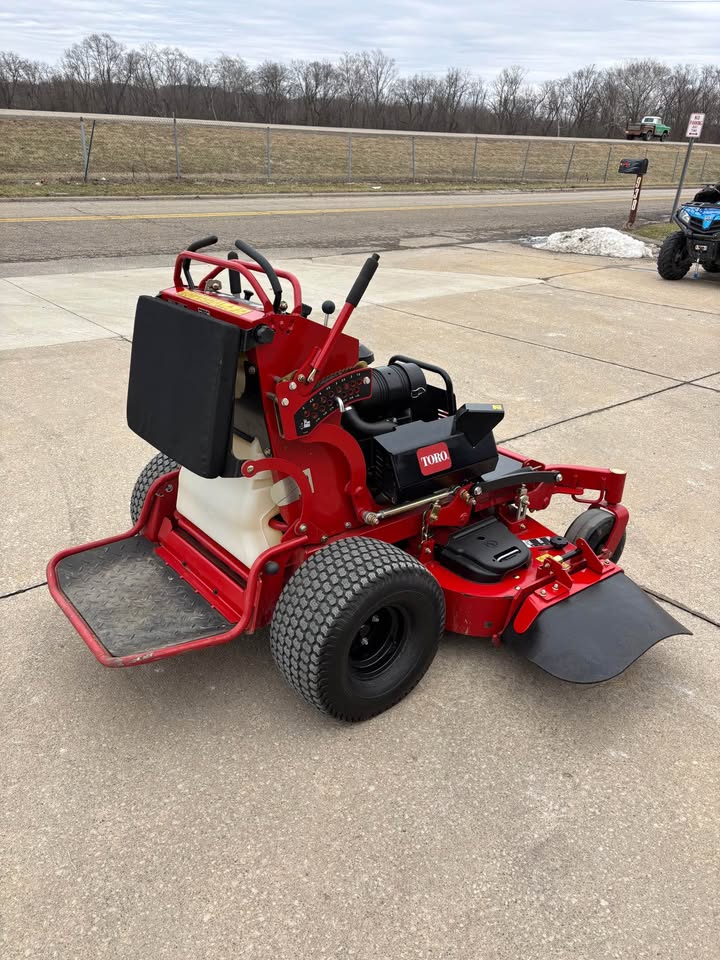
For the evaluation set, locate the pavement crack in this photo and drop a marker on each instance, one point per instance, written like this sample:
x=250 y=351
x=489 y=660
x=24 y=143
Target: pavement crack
x=680 y=606
x=615 y=296
x=52 y=303
x=534 y=343
x=589 y=413
x=14 y=593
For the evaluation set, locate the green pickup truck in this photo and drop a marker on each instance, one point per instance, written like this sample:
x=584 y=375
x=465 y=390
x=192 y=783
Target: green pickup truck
x=649 y=128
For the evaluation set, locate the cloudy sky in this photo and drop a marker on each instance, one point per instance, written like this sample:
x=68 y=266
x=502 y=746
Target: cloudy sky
x=547 y=38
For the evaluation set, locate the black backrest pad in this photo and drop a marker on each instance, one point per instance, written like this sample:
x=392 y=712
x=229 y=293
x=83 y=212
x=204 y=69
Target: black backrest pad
x=182 y=384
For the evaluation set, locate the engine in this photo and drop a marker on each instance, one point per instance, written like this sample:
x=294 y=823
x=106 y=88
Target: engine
x=414 y=438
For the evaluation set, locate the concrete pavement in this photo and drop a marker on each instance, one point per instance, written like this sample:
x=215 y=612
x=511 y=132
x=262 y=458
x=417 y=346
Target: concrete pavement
x=196 y=808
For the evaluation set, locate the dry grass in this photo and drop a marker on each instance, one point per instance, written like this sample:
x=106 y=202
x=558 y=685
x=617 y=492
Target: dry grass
x=655 y=231
x=126 y=152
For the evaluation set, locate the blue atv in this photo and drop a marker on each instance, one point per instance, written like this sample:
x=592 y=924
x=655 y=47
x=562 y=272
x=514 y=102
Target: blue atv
x=698 y=240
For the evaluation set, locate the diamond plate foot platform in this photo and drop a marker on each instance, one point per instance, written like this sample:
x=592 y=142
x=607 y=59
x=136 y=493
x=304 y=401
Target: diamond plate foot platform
x=133 y=601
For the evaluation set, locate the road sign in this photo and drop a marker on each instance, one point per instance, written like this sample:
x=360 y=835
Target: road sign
x=695 y=125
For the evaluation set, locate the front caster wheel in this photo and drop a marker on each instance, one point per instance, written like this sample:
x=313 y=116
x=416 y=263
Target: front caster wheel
x=595 y=527
x=155 y=468
x=356 y=627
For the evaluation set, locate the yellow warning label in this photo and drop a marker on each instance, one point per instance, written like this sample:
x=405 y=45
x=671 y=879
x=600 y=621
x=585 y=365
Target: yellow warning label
x=497 y=406
x=217 y=302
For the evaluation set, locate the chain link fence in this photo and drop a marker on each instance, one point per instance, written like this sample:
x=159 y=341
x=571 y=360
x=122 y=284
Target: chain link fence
x=70 y=148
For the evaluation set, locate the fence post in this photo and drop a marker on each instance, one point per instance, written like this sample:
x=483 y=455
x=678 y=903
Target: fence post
x=677 y=157
x=267 y=151
x=412 y=148
x=525 y=160
x=84 y=143
x=89 y=151
x=177 y=149
x=607 y=165
x=703 y=166
x=349 y=159
x=474 y=166
x=567 y=169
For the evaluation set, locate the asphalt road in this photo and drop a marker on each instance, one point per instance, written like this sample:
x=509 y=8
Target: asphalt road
x=49 y=231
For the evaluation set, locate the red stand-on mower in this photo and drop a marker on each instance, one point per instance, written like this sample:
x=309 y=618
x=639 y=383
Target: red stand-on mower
x=355 y=508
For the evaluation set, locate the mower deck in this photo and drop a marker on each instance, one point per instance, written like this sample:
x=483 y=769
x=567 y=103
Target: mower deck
x=132 y=600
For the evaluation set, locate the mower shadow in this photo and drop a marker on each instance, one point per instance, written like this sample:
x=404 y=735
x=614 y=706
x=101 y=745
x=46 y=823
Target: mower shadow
x=239 y=685
x=594 y=707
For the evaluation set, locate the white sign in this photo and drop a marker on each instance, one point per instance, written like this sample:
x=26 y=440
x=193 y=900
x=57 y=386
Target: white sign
x=695 y=124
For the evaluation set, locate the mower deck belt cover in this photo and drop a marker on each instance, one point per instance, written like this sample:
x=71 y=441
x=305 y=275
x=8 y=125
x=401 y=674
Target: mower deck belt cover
x=182 y=384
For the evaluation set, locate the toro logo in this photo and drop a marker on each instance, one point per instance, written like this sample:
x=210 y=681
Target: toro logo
x=433 y=459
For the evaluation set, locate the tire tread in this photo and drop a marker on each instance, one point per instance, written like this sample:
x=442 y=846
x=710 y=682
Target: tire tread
x=314 y=600
x=155 y=468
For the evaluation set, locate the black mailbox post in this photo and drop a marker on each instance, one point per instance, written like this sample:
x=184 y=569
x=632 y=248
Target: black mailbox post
x=639 y=168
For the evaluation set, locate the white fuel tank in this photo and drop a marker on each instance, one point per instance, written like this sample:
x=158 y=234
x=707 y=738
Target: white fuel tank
x=232 y=511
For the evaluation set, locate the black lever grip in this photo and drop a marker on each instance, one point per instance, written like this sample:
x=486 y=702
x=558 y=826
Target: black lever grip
x=235 y=286
x=193 y=247
x=199 y=244
x=363 y=279
x=263 y=262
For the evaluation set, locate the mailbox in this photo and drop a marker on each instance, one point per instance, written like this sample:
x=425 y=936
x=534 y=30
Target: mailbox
x=638 y=167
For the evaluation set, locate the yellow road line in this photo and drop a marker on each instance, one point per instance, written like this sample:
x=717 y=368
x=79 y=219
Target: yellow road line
x=306 y=213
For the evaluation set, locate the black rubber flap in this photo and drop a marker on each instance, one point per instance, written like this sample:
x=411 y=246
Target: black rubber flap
x=182 y=384
x=132 y=600
x=596 y=634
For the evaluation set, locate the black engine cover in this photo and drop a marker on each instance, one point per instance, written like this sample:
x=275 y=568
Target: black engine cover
x=417 y=458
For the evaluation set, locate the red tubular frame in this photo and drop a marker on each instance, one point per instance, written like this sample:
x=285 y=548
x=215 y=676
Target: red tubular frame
x=144 y=523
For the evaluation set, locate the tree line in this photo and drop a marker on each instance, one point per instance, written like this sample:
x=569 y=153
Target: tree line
x=101 y=75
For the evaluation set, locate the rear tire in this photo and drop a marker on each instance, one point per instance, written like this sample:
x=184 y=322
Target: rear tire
x=629 y=136
x=712 y=266
x=648 y=136
x=595 y=527
x=356 y=627
x=673 y=259
x=157 y=467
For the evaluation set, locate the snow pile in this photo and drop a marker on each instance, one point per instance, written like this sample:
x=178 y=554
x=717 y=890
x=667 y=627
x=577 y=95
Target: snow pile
x=596 y=241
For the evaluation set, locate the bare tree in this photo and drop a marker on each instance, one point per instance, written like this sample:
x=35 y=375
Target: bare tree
x=453 y=92
x=379 y=73
x=582 y=88
x=269 y=89
x=418 y=96
x=351 y=79
x=12 y=69
x=317 y=84
x=101 y=69
x=506 y=101
x=233 y=80
x=360 y=89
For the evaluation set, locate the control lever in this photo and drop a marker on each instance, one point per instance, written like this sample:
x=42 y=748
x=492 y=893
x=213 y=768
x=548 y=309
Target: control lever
x=234 y=276
x=192 y=248
x=328 y=308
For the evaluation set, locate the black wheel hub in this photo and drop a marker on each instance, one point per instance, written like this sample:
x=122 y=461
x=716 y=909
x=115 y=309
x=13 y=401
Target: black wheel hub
x=377 y=643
